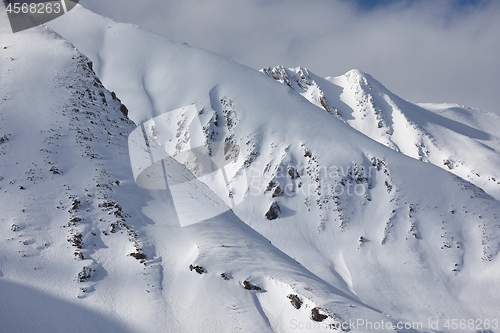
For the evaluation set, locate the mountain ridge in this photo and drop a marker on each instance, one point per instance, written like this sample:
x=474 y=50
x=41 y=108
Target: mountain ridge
x=87 y=245
x=354 y=222
x=422 y=211
x=416 y=131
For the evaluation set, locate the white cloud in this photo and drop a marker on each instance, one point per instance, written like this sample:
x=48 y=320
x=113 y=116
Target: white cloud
x=425 y=51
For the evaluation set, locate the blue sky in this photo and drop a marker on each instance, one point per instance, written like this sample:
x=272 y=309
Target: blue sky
x=422 y=50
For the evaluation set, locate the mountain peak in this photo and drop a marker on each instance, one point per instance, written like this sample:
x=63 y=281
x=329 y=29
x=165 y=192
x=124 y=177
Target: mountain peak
x=300 y=80
x=310 y=202
x=427 y=132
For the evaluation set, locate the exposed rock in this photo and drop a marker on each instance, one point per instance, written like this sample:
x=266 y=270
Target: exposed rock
x=316 y=316
x=295 y=300
x=273 y=212
x=248 y=286
x=198 y=269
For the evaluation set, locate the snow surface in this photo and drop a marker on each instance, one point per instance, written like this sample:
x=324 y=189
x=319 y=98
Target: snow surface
x=362 y=232
x=459 y=139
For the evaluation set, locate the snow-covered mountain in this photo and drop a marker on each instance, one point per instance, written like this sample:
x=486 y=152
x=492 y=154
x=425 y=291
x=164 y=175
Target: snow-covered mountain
x=318 y=222
x=459 y=139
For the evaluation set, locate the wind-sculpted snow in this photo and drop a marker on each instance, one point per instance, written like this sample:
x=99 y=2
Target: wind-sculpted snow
x=461 y=140
x=85 y=248
x=67 y=231
x=313 y=221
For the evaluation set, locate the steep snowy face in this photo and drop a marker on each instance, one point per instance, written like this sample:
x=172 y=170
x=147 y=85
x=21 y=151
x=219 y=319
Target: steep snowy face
x=362 y=217
x=85 y=248
x=65 y=231
x=301 y=81
x=461 y=140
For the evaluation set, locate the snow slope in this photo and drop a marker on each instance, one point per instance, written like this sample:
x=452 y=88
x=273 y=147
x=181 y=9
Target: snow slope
x=60 y=138
x=83 y=248
x=406 y=238
x=456 y=138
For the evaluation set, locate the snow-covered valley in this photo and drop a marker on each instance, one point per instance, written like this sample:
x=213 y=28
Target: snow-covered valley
x=348 y=205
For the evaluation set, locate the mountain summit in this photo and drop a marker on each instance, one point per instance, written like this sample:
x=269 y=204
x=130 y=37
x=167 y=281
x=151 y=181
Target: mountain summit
x=154 y=187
